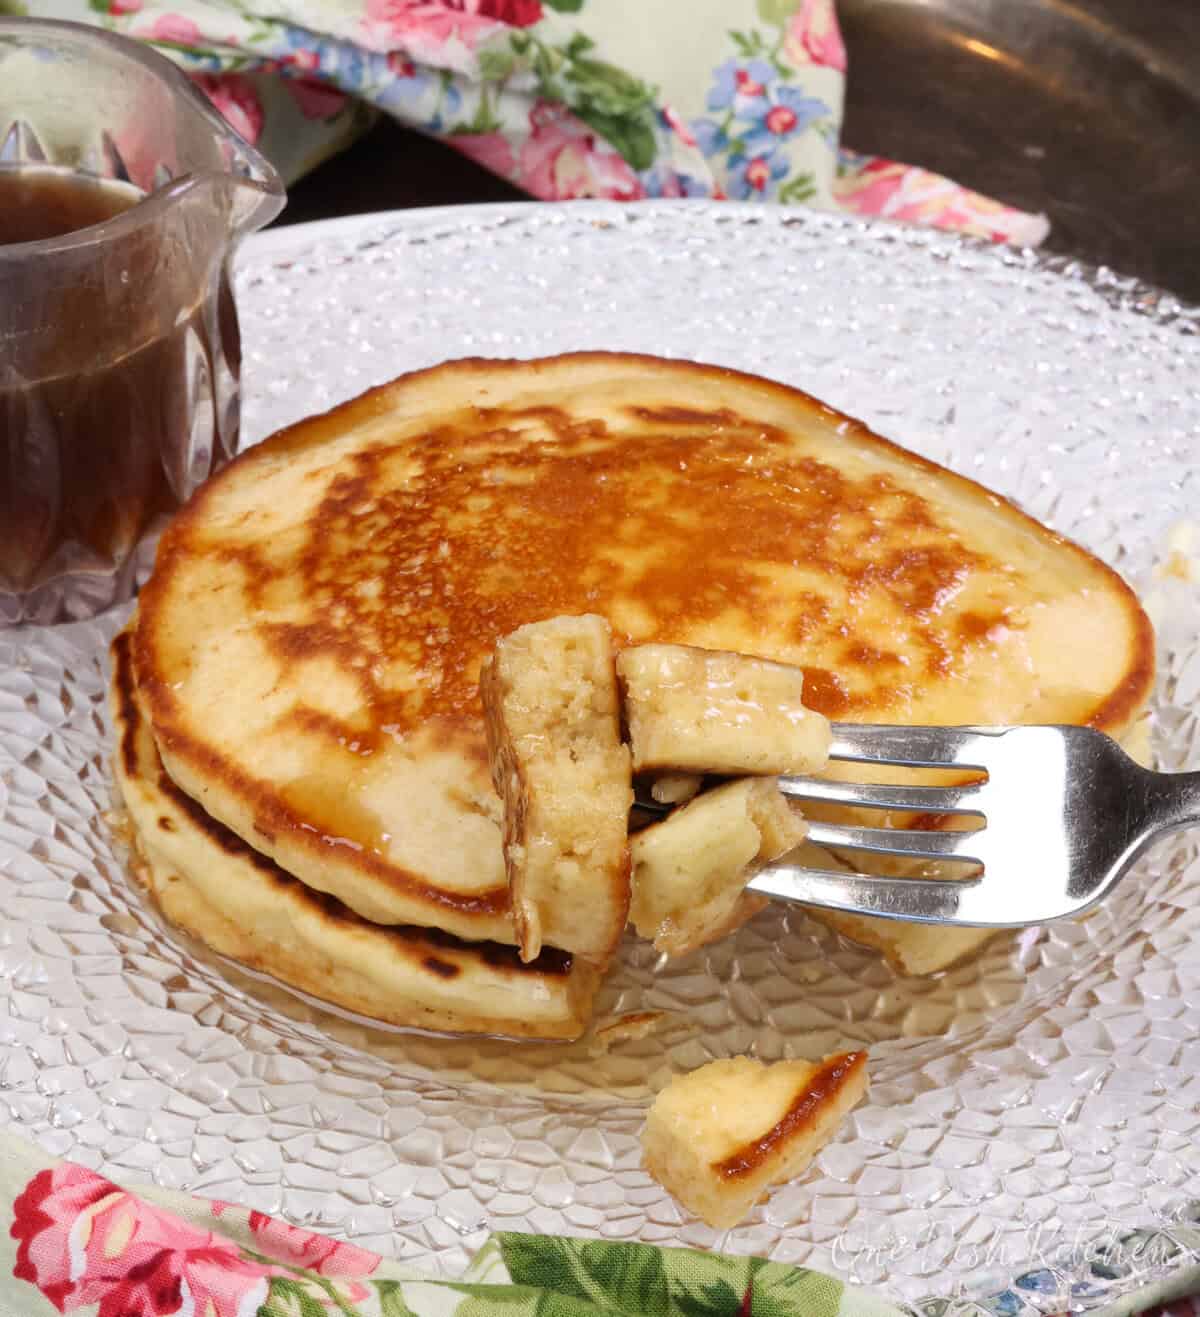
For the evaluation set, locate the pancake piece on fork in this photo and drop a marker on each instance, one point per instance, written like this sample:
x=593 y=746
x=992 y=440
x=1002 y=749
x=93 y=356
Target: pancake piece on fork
x=553 y=720
x=308 y=648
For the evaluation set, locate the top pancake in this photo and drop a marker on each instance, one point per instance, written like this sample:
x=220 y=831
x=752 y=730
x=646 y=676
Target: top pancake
x=310 y=642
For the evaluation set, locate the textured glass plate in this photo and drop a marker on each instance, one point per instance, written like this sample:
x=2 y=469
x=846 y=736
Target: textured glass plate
x=1022 y=1107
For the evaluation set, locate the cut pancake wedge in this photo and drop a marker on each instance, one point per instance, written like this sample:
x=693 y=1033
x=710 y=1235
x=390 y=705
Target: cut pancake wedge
x=309 y=645
x=214 y=886
x=553 y=722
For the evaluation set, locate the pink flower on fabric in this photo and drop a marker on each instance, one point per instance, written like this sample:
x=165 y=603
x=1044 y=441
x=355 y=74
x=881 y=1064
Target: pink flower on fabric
x=563 y=159
x=780 y=120
x=312 y=1252
x=516 y=13
x=904 y=192
x=317 y=100
x=872 y=189
x=235 y=97
x=171 y=27
x=679 y=126
x=119 y=7
x=491 y=150
x=83 y=1241
x=440 y=32
x=813 y=36
x=758 y=173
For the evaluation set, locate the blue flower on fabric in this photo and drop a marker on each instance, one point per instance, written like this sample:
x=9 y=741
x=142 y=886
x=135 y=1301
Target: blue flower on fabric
x=735 y=84
x=403 y=84
x=662 y=181
x=337 y=61
x=199 y=61
x=345 y=64
x=787 y=113
x=755 y=175
x=300 y=38
x=710 y=137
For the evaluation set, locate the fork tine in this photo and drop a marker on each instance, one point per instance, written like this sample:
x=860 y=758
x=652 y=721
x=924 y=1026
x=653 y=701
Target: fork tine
x=919 y=843
x=910 y=747
x=922 y=899
x=924 y=800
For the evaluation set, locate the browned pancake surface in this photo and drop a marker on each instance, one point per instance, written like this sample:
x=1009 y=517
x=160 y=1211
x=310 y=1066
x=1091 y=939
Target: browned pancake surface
x=358 y=567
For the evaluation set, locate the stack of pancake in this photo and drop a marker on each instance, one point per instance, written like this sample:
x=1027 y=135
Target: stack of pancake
x=301 y=743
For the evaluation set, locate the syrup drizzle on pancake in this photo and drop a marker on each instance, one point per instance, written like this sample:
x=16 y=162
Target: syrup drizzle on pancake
x=390 y=543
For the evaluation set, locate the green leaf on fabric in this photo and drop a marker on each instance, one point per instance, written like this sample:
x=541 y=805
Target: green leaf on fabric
x=546 y=63
x=525 y=1301
x=578 y=45
x=482 y=121
x=706 y=1284
x=609 y=89
x=564 y=1305
x=630 y=1276
x=637 y=1280
x=15 y=8
x=782 y=1291
x=564 y=6
x=496 y=65
x=546 y=1262
x=391 y=1299
x=633 y=139
x=800 y=188
x=748 y=43
x=290 y=1298
x=716 y=1300
x=584 y=1278
x=777 y=12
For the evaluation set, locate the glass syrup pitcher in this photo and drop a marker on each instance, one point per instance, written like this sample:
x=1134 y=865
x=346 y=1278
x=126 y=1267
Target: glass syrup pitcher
x=122 y=196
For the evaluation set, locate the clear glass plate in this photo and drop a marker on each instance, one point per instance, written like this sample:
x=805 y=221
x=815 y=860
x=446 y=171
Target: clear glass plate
x=1023 y=1107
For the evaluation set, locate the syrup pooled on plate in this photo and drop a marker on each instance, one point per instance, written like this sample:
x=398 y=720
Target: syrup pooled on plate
x=95 y=421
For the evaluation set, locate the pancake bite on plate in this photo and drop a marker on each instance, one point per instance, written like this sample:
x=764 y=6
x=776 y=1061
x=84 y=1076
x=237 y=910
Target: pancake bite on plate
x=719 y=1137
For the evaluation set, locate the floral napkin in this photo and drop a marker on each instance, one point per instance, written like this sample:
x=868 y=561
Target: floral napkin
x=76 y=1242
x=564 y=98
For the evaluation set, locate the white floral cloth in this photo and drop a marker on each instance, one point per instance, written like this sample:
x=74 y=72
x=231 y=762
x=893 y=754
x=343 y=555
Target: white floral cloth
x=564 y=98
x=75 y=1242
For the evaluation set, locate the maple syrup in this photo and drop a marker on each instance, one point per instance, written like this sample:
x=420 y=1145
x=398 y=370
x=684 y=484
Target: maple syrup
x=91 y=454
x=47 y=201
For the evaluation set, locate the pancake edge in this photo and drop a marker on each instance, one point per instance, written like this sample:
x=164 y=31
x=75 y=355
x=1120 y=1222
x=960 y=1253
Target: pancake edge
x=300 y=967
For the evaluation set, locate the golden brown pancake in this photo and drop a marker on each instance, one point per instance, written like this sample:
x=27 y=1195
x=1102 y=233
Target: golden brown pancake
x=719 y=1136
x=309 y=645
x=210 y=883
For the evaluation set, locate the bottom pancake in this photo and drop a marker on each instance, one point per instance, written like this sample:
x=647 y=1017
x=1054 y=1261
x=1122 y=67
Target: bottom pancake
x=213 y=885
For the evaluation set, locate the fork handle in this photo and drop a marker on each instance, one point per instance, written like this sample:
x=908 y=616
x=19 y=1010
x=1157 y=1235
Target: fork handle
x=1174 y=802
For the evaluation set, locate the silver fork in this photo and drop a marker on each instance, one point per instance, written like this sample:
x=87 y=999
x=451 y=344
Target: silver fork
x=1065 y=812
